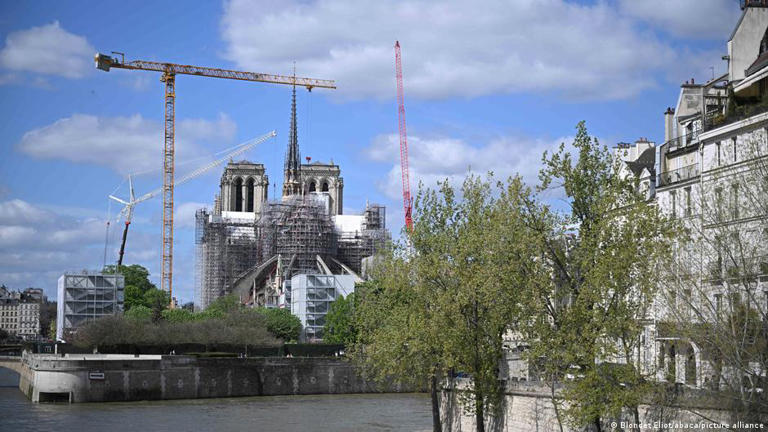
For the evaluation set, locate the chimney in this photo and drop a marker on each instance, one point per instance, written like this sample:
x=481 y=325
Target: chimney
x=669 y=120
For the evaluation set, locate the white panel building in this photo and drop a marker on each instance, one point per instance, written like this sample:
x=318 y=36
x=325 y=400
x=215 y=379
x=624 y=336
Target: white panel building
x=84 y=297
x=310 y=297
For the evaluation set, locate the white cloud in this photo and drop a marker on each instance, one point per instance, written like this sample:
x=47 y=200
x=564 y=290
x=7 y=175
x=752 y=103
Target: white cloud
x=18 y=211
x=453 y=48
x=48 y=50
x=435 y=159
x=125 y=144
x=712 y=19
x=37 y=244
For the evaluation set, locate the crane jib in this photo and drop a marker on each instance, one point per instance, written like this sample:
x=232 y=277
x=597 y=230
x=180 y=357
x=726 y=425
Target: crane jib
x=173 y=68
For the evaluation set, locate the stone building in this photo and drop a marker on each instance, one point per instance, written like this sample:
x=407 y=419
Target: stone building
x=9 y=316
x=29 y=320
x=19 y=318
x=253 y=247
x=244 y=187
x=318 y=177
x=713 y=178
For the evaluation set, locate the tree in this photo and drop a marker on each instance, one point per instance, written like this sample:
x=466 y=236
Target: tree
x=591 y=282
x=139 y=313
x=444 y=302
x=47 y=316
x=157 y=300
x=178 y=315
x=281 y=323
x=239 y=327
x=52 y=331
x=4 y=335
x=339 y=322
x=137 y=285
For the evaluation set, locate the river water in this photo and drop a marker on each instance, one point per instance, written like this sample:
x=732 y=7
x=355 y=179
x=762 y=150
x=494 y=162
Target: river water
x=359 y=412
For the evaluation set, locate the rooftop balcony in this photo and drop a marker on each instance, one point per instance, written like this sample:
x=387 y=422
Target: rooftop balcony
x=715 y=120
x=679 y=175
x=680 y=142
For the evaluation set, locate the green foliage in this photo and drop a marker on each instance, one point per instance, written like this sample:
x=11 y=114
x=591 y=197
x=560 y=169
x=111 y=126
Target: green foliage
x=3 y=335
x=178 y=315
x=224 y=305
x=138 y=289
x=605 y=279
x=237 y=328
x=494 y=258
x=446 y=303
x=157 y=300
x=281 y=323
x=339 y=322
x=139 y=313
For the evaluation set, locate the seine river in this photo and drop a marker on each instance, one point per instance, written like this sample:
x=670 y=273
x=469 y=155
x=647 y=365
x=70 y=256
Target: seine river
x=368 y=412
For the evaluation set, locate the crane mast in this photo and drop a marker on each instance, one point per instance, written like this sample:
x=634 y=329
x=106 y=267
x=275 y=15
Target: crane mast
x=407 y=199
x=169 y=71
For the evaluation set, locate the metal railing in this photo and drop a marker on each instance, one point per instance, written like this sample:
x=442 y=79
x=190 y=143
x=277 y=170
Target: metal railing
x=681 y=174
x=741 y=112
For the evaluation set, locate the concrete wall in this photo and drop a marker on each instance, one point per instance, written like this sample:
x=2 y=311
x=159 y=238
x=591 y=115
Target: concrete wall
x=127 y=378
x=528 y=406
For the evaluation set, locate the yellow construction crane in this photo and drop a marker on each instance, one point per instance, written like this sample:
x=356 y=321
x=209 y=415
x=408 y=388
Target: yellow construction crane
x=169 y=71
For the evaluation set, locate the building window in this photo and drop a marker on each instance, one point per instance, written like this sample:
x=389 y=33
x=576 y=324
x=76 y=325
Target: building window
x=673 y=197
x=718 y=153
x=688 y=210
x=765 y=293
x=325 y=186
x=719 y=204
x=733 y=140
x=735 y=201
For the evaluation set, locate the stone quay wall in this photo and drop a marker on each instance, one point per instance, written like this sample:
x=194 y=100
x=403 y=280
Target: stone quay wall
x=107 y=378
x=527 y=406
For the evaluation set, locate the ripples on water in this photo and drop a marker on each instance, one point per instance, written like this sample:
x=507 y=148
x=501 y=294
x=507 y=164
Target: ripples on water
x=359 y=412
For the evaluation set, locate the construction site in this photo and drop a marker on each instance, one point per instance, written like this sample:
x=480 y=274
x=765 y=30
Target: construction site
x=258 y=247
x=254 y=247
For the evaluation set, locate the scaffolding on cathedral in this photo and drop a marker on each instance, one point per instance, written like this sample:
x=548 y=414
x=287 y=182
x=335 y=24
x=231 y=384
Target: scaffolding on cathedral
x=298 y=229
x=224 y=248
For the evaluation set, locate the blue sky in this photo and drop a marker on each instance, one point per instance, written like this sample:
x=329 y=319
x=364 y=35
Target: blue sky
x=489 y=86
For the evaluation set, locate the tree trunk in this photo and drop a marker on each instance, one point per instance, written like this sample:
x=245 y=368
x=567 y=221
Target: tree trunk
x=554 y=405
x=637 y=414
x=479 y=414
x=437 y=425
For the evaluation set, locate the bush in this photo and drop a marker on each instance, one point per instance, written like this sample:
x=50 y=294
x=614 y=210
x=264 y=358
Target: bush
x=139 y=313
x=281 y=323
x=178 y=315
x=236 y=328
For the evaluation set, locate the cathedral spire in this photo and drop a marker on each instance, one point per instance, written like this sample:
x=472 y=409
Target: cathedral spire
x=291 y=181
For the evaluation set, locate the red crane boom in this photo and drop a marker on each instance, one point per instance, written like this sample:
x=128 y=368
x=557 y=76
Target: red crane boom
x=407 y=199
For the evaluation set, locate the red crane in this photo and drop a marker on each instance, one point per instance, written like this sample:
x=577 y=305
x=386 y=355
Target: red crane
x=407 y=199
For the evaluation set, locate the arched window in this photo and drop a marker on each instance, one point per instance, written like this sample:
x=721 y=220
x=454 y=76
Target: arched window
x=238 y=194
x=312 y=187
x=249 y=194
x=325 y=186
